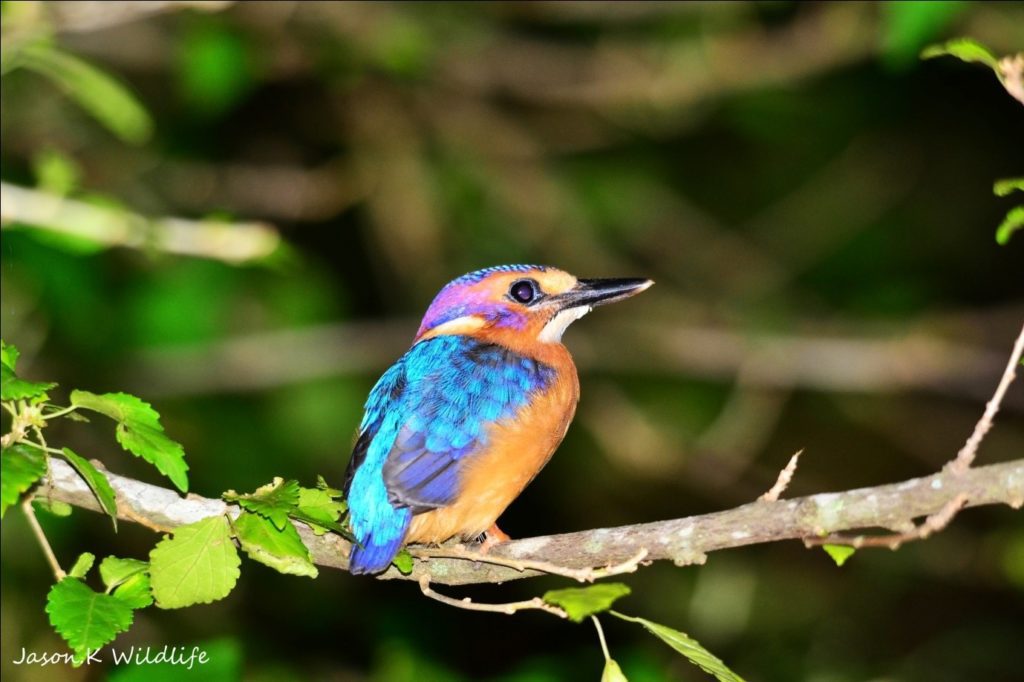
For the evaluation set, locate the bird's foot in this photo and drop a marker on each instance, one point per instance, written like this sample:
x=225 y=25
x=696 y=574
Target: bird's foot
x=493 y=536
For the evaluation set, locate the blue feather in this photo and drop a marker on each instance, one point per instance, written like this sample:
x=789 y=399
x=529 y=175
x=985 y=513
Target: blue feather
x=424 y=419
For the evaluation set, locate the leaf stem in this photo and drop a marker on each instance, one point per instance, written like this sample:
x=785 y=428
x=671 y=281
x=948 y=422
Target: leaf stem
x=60 y=413
x=600 y=636
x=37 y=529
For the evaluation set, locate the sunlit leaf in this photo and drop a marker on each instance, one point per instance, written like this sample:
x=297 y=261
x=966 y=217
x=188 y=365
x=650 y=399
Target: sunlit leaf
x=403 y=561
x=96 y=481
x=580 y=602
x=612 y=672
x=115 y=571
x=85 y=619
x=82 y=565
x=688 y=647
x=20 y=467
x=318 y=509
x=139 y=431
x=198 y=565
x=964 y=49
x=281 y=550
x=1007 y=185
x=276 y=500
x=1013 y=221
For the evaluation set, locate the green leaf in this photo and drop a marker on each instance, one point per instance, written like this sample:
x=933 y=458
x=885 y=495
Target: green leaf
x=97 y=481
x=20 y=467
x=139 y=431
x=115 y=571
x=403 y=562
x=108 y=100
x=276 y=500
x=281 y=550
x=55 y=507
x=1006 y=185
x=688 y=647
x=82 y=565
x=321 y=483
x=85 y=619
x=198 y=565
x=318 y=510
x=580 y=602
x=839 y=553
x=13 y=388
x=964 y=49
x=135 y=591
x=612 y=672
x=1013 y=221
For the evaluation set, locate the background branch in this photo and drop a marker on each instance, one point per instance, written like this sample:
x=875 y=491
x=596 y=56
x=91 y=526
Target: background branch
x=683 y=541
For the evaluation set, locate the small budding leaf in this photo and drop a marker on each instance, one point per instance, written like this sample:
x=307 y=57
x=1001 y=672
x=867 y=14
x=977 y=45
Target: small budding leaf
x=580 y=602
x=612 y=672
x=136 y=591
x=85 y=619
x=198 y=565
x=403 y=561
x=318 y=510
x=115 y=571
x=13 y=388
x=688 y=647
x=20 y=467
x=82 y=565
x=964 y=49
x=275 y=501
x=281 y=550
x=839 y=553
x=139 y=432
x=1002 y=188
x=97 y=482
x=1013 y=221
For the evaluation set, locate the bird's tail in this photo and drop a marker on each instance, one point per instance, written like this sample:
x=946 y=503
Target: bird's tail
x=379 y=547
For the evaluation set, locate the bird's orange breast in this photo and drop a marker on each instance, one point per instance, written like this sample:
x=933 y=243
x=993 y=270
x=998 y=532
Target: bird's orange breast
x=517 y=450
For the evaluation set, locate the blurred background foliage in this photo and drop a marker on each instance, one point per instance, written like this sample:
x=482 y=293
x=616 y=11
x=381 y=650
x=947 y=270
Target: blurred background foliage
x=261 y=197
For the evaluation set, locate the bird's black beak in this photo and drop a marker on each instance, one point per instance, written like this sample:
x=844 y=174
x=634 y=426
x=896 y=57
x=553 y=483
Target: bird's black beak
x=595 y=292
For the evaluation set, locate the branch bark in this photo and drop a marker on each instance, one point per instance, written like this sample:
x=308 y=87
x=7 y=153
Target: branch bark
x=683 y=541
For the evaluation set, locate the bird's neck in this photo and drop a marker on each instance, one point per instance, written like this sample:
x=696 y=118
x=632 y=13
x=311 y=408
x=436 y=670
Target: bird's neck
x=553 y=354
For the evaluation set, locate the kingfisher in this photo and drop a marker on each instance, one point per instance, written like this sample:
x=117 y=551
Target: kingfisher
x=456 y=429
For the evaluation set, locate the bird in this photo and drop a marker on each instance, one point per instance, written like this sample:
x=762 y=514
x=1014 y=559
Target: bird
x=455 y=430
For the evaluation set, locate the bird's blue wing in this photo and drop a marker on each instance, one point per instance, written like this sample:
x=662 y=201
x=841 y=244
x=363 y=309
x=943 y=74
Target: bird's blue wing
x=424 y=419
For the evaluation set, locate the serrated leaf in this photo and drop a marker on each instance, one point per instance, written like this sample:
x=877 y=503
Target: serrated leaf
x=108 y=100
x=1013 y=221
x=115 y=571
x=82 y=565
x=688 y=647
x=20 y=467
x=281 y=550
x=135 y=591
x=964 y=49
x=318 y=509
x=612 y=672
x=13 y=388
x=580 y=602
x=96 y=481
x=85 y=619
x=403 y=561
x=139 y=431
x=839 y=553
x=276 y=500
x=198 y=565
x=1003 y=187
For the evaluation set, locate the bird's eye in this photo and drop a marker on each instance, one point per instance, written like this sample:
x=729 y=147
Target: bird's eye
x=523 y=291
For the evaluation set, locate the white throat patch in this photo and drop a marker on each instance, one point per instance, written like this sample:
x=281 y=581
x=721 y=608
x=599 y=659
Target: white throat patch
x=553 y=330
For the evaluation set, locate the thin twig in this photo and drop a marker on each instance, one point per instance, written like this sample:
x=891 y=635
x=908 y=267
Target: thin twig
x=583 y=575
x=785 y=476
x=932 y=524
x=969 y=451
x=33 y=523
x=507 y=608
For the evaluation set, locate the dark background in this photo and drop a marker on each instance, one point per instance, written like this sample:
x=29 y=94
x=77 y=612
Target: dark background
x=814 y=202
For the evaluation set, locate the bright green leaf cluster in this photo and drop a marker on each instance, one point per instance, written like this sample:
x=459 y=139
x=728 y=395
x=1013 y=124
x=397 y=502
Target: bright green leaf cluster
x=317 y=507
x=274 y=501
x=139 y=431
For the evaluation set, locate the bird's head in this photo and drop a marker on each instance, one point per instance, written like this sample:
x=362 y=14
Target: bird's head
x=533 y=303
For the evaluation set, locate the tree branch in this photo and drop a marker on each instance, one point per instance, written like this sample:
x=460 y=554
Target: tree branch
x=683 y=541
